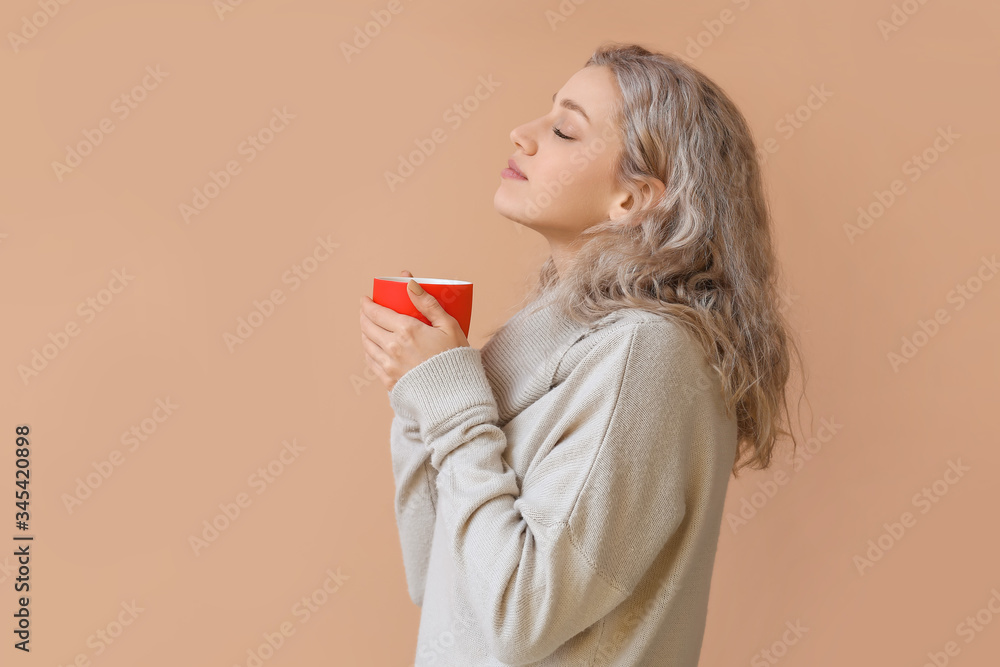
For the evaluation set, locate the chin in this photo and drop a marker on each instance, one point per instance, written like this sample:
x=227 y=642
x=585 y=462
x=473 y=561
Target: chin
x=503 y=206
x=516 y=210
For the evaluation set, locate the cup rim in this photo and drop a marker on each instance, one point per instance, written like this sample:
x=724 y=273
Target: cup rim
x=427 y=281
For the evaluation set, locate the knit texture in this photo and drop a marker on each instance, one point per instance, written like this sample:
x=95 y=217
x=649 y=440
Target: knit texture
x=559 y=493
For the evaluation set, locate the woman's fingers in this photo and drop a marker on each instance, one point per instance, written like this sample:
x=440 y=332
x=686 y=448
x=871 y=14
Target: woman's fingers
x=371 y=350
x=376 y=321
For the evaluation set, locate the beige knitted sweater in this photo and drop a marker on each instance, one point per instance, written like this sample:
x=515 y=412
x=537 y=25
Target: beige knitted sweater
x=559 y=493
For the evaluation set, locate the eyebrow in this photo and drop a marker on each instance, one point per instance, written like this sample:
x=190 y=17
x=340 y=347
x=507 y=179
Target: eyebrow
x=570 y=104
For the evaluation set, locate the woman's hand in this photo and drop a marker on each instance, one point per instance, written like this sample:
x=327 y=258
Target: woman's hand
x=395 y=343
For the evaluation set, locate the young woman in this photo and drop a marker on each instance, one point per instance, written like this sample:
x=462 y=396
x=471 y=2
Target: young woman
x=559 y=493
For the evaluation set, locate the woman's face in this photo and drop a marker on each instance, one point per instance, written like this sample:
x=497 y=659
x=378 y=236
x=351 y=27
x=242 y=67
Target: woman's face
x=570 y=184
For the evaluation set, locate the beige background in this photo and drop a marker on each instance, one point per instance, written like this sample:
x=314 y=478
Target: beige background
x=300 y=375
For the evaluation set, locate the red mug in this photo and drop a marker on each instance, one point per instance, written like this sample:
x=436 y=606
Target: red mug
x=455 y=296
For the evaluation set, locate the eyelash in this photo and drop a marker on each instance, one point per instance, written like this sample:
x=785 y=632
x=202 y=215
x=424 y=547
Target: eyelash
x=560 y=134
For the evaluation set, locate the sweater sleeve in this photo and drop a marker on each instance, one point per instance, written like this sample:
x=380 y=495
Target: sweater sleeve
x=414 y=501
x=544 y=562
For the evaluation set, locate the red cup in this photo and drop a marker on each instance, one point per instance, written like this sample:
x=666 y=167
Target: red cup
x=455 y=296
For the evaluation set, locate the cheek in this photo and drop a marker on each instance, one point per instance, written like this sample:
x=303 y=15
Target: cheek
x=574 y=205
x=587 y=184
x=578 y=197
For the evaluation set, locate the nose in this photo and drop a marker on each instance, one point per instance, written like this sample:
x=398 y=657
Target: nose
x=522 y=137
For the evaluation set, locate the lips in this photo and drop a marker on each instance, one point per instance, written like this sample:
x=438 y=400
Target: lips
x=516 y=169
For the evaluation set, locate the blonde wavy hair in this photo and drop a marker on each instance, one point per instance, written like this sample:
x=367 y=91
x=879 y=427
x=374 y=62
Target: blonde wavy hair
x=702 y=253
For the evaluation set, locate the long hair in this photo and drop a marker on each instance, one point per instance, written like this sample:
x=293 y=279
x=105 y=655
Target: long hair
x=702 y=253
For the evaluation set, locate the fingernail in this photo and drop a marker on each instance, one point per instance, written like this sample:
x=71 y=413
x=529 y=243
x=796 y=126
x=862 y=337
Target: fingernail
x=415 y=286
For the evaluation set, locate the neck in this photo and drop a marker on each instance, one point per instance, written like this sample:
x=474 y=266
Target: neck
x=562 y=254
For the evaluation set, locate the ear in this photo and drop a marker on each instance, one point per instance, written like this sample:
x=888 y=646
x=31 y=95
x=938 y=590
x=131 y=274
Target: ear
x=651 y=189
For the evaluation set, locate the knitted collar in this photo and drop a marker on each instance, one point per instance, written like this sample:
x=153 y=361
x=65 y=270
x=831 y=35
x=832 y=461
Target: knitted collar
x=521 y=358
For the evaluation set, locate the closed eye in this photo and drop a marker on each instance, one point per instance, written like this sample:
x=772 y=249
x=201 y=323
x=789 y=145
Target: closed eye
x=560 y=134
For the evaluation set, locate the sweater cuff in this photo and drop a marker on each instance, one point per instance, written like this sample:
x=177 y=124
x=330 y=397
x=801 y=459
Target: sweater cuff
x=441 y=387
